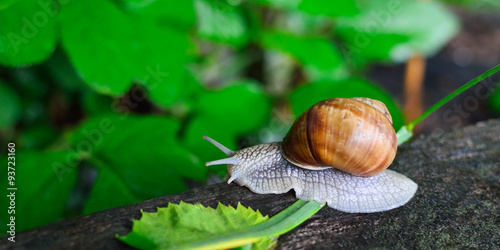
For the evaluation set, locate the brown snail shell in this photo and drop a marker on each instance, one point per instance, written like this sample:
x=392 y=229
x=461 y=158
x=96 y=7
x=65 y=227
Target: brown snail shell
x=353 y=135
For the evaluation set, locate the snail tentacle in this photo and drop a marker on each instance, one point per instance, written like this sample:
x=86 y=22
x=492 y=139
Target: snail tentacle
x=226 y=151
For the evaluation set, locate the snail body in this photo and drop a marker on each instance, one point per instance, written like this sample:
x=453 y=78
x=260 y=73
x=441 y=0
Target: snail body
x=336 y=152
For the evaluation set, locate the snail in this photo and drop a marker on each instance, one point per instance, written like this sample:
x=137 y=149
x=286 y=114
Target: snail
x=337 y=152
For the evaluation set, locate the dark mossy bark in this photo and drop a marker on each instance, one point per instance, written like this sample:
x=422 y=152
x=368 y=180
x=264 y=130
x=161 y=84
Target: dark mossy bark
x=457 y=205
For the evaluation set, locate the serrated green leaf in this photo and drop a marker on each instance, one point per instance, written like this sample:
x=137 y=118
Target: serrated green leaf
x=179 y=225
x=221 y=22
x=141 y=151
x=27 y=32
x=305 y=96
x=321 y=60
x=44 y=182
x=396 y=30
x=10 y=108
x=187 y=226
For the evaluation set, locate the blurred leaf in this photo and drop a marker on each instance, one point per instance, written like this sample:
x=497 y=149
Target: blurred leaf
x=221 y=22
x=39 y=136
x=242 y=107
x=320 y=58
x=305 y=96
x=478 y=5
x=181 y=226
x=180 y=14
x=106 y=184
x=225 y=114
x=303 y=24
x=44 y=182
x=10 y=109
x=317 y=7
x=141 y=151
x=27 y=32
x=328 y=7
x=99 y=40
x=136 y=4
x=164 y=74
x=6 y=3
x=111 y=49
x=494 y=100
x=61 y=72
x=95 y=104
x=396 y=30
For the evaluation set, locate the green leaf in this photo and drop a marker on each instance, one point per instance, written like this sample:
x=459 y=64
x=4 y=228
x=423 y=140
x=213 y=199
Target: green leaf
x=395 y=30
x=180 y=14
x=184 y=224
x=100 y=43
x=27 y=32
x=225 y=114
x=162 y=63
x=44 y=182
x=329 y=8
x=230 y=107
x=96 y=104
x=40 y=136
x=142 y=152
x=187 y=228
x=494 y=100
x=221 y=22
x=329 y=65
x=106 y=181
x=111 y=49
x=305 y=96
x=316 y=7
x=10 y=109
x=136 y=4
x=6 y=3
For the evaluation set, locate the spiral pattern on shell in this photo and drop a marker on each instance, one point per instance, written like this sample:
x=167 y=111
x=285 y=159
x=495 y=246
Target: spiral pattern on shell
x=353 y=135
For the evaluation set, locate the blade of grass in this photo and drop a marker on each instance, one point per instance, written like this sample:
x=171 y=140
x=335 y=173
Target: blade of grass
x=406 y=132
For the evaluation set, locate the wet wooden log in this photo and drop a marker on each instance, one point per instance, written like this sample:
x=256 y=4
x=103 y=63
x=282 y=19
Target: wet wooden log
x=457 y=205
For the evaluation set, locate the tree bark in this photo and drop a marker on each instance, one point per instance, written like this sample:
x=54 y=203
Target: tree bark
x=457 y=205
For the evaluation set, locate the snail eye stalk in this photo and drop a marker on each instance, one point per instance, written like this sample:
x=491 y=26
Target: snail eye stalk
x=226 y=151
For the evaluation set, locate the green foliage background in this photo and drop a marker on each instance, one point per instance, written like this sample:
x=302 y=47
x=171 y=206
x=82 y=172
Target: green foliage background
x=108 y=100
